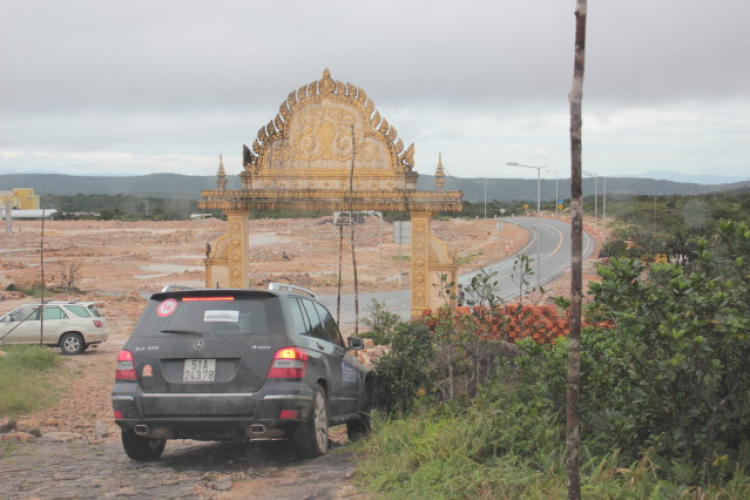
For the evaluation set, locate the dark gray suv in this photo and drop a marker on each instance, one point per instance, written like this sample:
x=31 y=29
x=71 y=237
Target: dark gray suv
x=238 y=364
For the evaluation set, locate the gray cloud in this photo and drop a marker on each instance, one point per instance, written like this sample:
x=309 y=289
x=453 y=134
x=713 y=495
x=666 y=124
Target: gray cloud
x=484 y=80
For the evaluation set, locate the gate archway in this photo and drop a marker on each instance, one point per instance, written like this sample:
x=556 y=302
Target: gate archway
x=327 y=135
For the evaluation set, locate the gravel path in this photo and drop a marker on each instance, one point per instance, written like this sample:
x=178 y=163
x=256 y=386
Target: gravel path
x=51 y=469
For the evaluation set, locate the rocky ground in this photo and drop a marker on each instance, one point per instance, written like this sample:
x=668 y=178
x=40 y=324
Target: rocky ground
x=72 y=449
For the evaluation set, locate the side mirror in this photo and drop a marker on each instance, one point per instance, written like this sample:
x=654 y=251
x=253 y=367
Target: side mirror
x=356 y=343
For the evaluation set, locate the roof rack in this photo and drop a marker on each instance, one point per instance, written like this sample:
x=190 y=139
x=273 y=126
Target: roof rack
x=286 y=287
x=177 y=288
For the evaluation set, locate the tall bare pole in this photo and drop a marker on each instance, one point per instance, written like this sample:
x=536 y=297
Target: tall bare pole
x=573 y=442
x=8 y=215
x=41 y=267
x=341 y=252
x=351 y=230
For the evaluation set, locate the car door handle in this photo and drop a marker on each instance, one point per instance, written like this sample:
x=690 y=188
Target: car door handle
x=320 y=346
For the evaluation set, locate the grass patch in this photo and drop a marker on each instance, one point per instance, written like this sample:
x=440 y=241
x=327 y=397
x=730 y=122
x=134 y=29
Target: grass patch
x=487 y=451
x=25 y=382
x=462 y=261
x=403 y=257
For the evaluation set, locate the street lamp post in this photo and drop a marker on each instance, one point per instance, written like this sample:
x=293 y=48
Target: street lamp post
x=594 y=175
x=485 y=200
x=604 y=204
x=538 y=218
x=557 y=195
x=596 y=195
x=604 y=212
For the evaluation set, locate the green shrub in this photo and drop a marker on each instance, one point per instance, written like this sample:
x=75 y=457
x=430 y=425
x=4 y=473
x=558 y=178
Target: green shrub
x=671 y=378
x=674 y=375
x=382 y=323
x=405 y=370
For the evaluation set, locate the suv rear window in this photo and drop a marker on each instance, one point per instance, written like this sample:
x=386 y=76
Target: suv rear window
x=94 y=311
x=211 y=315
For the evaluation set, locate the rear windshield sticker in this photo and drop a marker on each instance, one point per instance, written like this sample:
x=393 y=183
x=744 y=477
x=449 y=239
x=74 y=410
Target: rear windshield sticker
x=221 y=316
x=166 y=308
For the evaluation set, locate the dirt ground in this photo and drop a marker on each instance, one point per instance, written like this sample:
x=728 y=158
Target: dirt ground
x=119 y=265
x=118 y=257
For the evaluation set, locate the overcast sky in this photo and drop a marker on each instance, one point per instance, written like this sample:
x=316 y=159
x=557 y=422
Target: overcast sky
x=135 y=87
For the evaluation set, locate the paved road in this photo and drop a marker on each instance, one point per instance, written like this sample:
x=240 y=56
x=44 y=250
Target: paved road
x=554 y=246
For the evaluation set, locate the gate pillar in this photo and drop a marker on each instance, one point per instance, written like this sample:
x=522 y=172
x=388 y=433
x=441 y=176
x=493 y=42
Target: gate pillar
x=429 y=262
x=227 y=262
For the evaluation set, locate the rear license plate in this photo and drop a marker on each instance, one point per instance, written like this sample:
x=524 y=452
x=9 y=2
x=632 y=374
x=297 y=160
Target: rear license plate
x=199 y=370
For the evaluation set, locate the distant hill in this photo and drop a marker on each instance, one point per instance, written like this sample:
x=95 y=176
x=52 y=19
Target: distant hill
x=154 y=185
x=698 y=179
x=504 y=190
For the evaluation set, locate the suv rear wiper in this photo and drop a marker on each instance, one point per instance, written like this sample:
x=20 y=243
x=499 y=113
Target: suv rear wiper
x=184 y=332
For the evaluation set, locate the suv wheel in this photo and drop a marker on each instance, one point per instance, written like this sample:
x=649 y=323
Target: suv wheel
x=313 y=437
x=72 y=343
x=142 y=448
x=362 y=424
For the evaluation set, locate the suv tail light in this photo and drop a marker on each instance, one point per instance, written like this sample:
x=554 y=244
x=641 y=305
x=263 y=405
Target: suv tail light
x=289 y=362
x=98 y=323
x=125 y=366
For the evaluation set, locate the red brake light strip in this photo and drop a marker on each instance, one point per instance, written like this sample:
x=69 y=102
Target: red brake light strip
x=206 y=299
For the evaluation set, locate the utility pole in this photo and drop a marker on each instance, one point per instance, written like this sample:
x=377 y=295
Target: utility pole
x=573 y=411
x=8 y=215
x=43 y=285
x=351 y=230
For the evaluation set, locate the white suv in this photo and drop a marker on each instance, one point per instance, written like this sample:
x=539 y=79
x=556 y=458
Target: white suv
x=73 y=326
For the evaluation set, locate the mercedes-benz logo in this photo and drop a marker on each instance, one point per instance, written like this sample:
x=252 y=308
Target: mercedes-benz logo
x=198 y=345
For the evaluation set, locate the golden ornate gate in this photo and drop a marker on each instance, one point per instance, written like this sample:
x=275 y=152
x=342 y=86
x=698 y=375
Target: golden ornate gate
x=327 y=135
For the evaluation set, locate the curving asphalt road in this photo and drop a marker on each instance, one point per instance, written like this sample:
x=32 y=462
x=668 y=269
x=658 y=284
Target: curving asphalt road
x=555 y=258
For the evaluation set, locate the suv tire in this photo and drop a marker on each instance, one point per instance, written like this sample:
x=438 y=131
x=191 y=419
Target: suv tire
x=140 y=448
x=72 y=343
x=313 y=436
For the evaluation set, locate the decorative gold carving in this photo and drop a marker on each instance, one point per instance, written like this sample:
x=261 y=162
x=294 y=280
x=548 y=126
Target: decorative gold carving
x=383 y=128
x=306 y=197
x=326 y=85
x=392 y=134
x=323 y=133
x=419 y=236
x=407 y=157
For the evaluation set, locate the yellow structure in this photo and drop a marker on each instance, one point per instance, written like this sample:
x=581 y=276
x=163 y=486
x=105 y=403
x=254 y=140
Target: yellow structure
x=328 y=148
x=20 y=199
x=440 y=174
